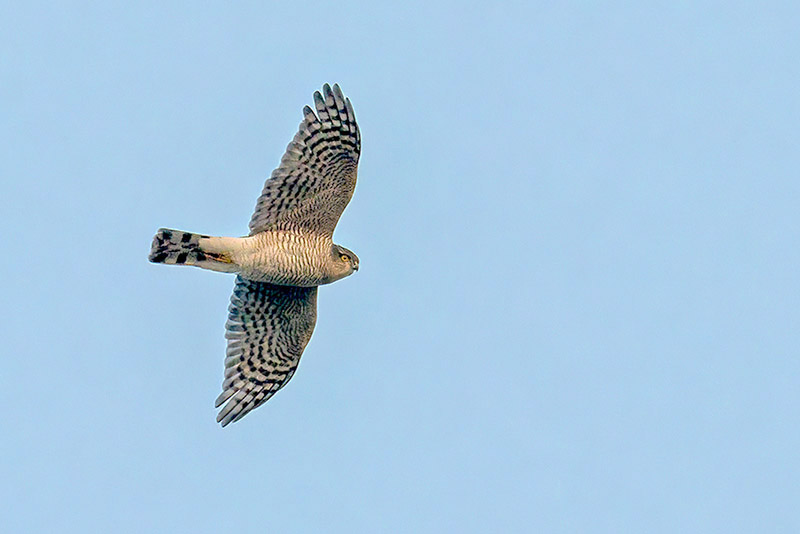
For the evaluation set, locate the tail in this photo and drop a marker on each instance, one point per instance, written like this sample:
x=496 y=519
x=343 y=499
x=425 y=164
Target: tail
x=174 y=247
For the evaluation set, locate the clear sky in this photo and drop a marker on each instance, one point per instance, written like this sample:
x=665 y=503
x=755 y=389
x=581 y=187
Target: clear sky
x=578 y=302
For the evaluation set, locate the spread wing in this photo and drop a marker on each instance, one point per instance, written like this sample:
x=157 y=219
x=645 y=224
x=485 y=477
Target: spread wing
x=317 y=174
x=267 y=330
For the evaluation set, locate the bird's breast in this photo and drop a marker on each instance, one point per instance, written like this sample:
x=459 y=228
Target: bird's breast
x=286 y=258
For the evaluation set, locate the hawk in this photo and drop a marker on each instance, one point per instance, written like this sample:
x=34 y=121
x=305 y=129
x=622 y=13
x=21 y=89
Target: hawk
x=287 y=255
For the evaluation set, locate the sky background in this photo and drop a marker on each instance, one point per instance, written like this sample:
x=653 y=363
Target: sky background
x=577 y=308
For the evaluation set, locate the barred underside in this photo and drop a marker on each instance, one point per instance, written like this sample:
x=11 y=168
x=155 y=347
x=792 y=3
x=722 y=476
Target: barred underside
x=268 y=328
x=283 y=258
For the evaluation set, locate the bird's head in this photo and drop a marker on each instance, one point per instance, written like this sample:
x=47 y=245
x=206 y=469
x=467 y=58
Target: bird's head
x=345 y=261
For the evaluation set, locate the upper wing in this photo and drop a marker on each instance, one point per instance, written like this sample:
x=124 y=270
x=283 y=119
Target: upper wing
x=317 y=174
x=268 y=327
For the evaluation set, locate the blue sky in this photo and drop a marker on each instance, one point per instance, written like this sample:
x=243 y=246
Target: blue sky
x=577 y=308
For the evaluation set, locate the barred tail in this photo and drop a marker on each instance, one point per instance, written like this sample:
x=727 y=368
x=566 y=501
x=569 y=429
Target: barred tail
x=174 y=247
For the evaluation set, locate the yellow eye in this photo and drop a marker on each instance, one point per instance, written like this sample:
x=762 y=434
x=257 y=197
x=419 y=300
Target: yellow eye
x=345 y=257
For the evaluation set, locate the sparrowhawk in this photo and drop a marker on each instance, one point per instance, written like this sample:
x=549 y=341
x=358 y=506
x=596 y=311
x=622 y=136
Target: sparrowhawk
x=288 y=253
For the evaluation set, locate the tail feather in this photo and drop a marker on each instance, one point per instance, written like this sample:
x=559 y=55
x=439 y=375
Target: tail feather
x=174 y=247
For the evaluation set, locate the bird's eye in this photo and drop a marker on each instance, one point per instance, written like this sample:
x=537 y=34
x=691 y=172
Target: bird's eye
x=345 y=257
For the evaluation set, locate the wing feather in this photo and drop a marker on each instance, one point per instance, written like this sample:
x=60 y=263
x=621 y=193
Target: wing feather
x=317 y=174
x=268 y=328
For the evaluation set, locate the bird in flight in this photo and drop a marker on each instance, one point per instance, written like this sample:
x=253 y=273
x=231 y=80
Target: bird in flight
x=287 y=255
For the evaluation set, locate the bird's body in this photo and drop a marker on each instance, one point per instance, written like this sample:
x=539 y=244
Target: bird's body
x=279 y=257
x=289 y=252
x=288 y=258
